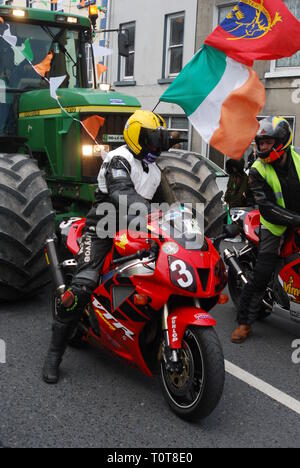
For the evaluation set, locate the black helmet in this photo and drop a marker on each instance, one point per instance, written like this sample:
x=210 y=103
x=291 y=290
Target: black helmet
x=233 y=165
x=279 y=129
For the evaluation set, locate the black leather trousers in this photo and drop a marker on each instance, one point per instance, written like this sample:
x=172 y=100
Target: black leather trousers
x=254 y=291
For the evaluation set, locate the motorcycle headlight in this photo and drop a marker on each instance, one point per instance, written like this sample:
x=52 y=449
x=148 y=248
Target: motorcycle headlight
x=182 y=275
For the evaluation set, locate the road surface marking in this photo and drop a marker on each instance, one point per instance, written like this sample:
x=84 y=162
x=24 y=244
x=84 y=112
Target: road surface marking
x=263 y=387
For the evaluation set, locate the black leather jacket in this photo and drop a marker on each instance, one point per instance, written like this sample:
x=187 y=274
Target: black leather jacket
x=265 y=199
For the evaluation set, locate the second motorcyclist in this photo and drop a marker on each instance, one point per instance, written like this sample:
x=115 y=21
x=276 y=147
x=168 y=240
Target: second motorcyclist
x=275 y=183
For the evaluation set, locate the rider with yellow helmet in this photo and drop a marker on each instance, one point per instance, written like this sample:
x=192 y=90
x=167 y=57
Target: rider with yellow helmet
x=129 y=171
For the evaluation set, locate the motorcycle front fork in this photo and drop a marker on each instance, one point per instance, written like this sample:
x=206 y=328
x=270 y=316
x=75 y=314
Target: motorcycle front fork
x=171 y=356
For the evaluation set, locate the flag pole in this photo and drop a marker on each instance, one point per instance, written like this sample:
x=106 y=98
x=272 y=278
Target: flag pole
x=156 y=106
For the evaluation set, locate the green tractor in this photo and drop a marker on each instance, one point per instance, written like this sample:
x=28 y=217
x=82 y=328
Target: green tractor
x=48 y=162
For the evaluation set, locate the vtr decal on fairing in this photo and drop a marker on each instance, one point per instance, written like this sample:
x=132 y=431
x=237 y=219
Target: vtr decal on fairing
x=109 y=317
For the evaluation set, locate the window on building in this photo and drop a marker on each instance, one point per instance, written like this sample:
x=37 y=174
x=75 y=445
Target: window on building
x=174 y=44
x=180 y=125
x=294 y=61
x=126 y=64
x=289 y=66
x=224 y=10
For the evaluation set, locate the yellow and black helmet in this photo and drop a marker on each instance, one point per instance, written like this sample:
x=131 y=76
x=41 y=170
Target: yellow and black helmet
x=146 y=132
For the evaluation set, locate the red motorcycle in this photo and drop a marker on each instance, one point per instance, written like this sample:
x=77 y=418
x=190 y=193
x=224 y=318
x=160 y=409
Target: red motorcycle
x=152 y=306
x=283 y=294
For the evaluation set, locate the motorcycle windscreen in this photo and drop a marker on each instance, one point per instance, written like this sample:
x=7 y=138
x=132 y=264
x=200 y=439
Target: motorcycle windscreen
x=185 y=225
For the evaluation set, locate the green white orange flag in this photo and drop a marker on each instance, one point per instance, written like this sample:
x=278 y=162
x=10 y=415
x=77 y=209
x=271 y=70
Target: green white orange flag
x=221 y=98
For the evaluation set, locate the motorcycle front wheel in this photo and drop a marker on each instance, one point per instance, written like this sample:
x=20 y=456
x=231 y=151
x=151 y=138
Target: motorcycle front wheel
x=196 y=391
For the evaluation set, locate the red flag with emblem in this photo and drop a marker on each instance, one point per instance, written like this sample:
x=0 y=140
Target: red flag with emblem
x=257 y=30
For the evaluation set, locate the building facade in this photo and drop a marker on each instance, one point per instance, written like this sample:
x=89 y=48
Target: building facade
x=161 y=41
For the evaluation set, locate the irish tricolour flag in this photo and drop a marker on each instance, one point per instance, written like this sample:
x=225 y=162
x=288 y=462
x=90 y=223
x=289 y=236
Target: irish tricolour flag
x=221 y=98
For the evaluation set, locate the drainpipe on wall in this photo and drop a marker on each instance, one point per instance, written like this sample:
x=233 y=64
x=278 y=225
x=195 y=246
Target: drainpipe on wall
x=190 y=137
x=107 y=36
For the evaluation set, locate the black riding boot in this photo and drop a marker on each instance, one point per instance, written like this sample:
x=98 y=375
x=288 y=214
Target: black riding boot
x=61 y=333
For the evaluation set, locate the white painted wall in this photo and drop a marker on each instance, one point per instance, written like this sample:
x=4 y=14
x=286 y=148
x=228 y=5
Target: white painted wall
x=149 y=16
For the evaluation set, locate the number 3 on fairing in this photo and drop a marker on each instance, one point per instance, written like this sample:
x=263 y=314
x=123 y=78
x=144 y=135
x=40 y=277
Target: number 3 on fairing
x=185 y=279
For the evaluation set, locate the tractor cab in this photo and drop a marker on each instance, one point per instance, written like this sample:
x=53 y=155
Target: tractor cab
x=59 y=47
x=35 y=47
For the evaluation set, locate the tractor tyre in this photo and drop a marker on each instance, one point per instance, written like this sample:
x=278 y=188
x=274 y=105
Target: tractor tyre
x=187 y=179
x=26 y=220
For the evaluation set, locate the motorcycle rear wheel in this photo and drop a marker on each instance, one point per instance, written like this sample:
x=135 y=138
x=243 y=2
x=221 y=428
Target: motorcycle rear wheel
x=196 y=392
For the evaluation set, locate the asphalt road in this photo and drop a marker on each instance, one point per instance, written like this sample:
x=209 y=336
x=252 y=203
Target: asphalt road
x=100 y=402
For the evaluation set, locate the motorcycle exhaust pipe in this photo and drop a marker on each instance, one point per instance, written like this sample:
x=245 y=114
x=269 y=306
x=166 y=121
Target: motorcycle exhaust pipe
x=55 y=268
x=230 y=260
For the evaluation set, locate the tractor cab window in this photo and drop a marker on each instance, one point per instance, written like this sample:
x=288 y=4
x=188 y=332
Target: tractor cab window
x=65 y=46
x=36 y=42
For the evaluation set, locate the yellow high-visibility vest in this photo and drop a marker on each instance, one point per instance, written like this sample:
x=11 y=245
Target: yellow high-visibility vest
x=268 y=172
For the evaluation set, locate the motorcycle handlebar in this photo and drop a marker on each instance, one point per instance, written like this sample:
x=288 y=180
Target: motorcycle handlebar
x=230 y=260
x=144 y=253
x=55 y=268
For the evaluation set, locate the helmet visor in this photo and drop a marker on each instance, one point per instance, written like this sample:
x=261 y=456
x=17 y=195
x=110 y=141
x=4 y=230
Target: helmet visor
x=154 y=141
